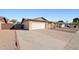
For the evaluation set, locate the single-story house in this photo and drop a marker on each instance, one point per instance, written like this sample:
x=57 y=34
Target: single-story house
x=37 y=23
x=4 y=24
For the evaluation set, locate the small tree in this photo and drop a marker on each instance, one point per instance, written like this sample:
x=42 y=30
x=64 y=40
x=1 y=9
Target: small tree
x=13 y=20
x=18 y=22
x=76 y=21
x=61 y=21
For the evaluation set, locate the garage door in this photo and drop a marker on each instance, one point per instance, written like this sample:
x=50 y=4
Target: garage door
x=38 y=25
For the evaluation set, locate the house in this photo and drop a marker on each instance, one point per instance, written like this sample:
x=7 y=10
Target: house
x=63 y=25
x=37 y=23
x=4 y=24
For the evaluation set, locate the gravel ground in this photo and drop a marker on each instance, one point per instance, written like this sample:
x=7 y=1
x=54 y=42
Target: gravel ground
x=7 y=40
x=38 y=40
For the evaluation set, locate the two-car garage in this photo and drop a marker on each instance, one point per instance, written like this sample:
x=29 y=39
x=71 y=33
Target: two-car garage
x=37 y=25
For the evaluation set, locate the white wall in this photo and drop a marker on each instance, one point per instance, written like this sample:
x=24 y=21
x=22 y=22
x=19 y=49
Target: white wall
x=38 y=25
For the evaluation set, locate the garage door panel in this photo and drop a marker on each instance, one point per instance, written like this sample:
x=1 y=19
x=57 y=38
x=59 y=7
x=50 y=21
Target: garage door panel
x=38 y=25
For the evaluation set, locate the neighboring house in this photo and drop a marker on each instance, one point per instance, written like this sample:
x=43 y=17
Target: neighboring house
x=4 y=24
x=37 y=23
x=60 y=25
x=63 y=25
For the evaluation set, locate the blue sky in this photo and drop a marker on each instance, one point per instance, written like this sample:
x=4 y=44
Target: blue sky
x=50 y=14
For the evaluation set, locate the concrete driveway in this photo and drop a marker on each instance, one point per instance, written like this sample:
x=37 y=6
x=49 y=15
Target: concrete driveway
x=38 y=40
x=44 y=40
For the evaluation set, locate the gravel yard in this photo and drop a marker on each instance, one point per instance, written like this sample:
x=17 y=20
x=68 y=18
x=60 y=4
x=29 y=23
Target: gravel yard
x=38 y=40
x=7 y=40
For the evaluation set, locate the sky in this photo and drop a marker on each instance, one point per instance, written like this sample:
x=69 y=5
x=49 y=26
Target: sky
x=50 y=14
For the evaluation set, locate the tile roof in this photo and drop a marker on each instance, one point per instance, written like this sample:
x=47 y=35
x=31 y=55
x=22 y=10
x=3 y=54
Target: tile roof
x=39 y=19
x=3 y=19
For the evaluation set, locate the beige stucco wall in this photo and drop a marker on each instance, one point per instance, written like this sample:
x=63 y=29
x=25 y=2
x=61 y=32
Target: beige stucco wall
x=30 y=25
x=0 y=26
x=50 y=25
x=6 y=26
x=53 y=26
x=26 y=24
x=46 y=27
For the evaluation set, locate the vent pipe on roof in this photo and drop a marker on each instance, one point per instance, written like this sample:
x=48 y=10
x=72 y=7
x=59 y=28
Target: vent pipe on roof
x=5 y=20
x=22 y=20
